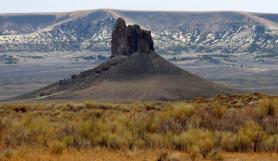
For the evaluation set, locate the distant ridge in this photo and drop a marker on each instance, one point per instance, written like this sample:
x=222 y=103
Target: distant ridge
x=173 y=32
x=134 y=72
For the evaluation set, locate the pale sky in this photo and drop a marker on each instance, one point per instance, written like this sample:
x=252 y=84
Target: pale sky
x=23 y=6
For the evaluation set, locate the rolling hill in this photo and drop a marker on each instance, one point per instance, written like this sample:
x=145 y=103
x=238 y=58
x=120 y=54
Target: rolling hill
x=173 y=32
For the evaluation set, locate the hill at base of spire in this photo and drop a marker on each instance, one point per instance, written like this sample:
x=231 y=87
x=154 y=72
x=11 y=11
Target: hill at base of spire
x=134 y=72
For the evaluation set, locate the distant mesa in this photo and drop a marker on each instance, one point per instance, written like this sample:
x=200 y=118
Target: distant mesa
x=134 y=72
x=175 y=32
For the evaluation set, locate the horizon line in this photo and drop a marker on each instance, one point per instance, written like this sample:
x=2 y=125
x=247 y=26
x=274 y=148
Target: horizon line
x=135 y=10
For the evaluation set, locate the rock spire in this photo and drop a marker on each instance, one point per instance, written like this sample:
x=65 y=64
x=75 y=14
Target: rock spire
x=130 y=39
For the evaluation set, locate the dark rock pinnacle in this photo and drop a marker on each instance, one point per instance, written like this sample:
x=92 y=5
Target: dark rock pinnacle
x=127 y=40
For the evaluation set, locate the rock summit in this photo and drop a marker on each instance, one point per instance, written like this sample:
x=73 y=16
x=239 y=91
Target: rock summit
x=127 y=40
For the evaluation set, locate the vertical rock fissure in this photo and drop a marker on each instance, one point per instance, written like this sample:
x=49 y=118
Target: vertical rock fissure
x=127 y=40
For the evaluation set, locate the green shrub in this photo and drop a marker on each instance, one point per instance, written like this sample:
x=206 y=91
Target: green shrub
x=182 y=110
x=68 y=141
x=165 y=156
x=156 y=140
x=271 y=144
x=215 y=155
x=251 y=136
x=194 y=153
x=194 y=122
x=2 y=126
x=228 y=141
x=218 y=110
x=56 y=147
x=268 y=107
x=86 y=129
x=192 y=139
x=6 y=153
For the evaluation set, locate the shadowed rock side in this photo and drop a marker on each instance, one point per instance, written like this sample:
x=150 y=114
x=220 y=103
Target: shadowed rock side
x=134 y=72
x=127 y=40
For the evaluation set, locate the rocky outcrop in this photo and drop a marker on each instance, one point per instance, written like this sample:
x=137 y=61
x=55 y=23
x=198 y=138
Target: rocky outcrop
x=127 y=40
x=135 y=72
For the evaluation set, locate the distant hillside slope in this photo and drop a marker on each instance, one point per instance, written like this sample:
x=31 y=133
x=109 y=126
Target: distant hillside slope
x=13 y=24
x=229 y=32
x=269 y=16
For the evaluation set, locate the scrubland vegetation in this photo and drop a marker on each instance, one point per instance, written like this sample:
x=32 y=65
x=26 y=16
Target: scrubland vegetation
x=210 y=129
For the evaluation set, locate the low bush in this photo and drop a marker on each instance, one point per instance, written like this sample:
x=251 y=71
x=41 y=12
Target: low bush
x=56 y=147
x=251 y=137
x=198 y=127
x=267 y=107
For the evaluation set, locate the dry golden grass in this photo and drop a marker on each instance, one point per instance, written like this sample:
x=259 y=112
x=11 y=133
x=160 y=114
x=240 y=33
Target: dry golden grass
x=240 y=128
x=120 y=155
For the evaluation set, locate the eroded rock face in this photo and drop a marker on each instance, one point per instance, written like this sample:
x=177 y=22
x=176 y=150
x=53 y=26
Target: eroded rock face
x=127 y=40
x=118 y=45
